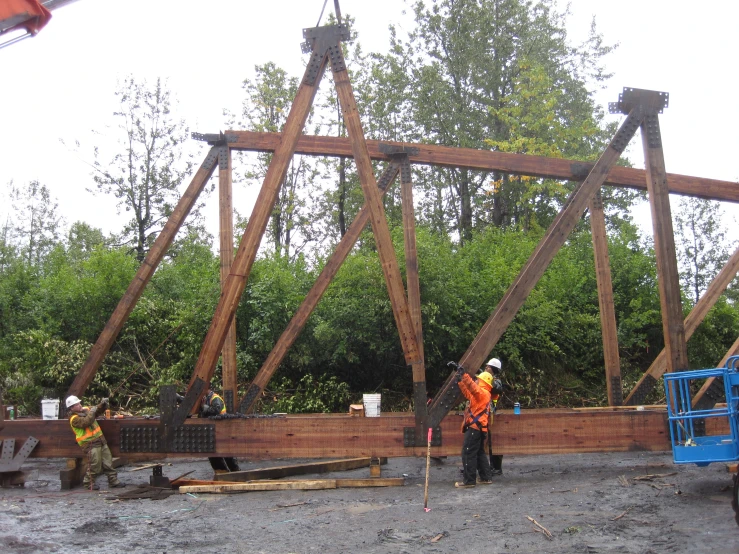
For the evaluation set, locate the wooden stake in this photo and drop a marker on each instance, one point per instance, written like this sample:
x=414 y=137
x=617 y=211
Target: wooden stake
x=428 y=467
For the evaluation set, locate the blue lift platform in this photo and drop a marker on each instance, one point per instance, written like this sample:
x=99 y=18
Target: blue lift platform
x=690 y=443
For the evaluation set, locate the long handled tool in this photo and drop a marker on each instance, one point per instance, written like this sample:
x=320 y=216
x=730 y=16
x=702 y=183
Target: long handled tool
x=428 y=466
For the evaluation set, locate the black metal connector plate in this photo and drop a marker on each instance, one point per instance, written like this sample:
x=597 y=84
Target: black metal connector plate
x=409 y=437
x=649 y=100
x=249 y=397
x=194 y=438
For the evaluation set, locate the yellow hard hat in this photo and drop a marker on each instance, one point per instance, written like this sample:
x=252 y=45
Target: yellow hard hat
x=486 y=377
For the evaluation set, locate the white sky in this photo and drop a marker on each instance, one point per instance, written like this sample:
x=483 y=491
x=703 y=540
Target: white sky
x=60 y=84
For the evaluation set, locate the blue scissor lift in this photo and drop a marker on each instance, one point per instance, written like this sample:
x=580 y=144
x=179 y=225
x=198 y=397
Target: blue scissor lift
x=690 y=443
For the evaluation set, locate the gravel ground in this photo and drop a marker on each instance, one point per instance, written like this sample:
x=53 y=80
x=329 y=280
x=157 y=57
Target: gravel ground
x=589 y=503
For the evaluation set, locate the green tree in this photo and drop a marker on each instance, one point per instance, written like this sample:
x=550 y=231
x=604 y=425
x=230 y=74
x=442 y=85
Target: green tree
x=150 y=165
x=269 y=96
x=701 y=243
x=456 y=70
x=36 y=221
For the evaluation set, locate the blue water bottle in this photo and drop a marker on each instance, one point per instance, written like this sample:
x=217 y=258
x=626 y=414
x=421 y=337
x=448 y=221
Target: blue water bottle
x=517 y=408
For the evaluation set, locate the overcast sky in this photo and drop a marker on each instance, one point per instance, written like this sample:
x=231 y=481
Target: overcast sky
x=60 y=84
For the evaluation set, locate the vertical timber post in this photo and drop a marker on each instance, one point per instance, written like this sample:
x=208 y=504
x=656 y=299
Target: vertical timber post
x=225 y=209
x=297 y=323
x=605 y=301
x=664 y=239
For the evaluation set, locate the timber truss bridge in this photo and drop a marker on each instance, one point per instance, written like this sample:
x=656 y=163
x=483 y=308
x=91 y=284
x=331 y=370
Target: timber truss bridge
x=400 y=434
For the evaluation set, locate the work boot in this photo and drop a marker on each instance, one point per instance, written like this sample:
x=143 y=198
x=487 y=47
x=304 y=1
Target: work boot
x=460 y=485
x=118 y=485
x=484 y=481
x=94 y=487
x=496 y=472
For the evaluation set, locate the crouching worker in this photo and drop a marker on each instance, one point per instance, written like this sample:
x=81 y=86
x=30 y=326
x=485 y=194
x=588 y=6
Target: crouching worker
x=475 y=427
x=91 y=440
x=213 y=405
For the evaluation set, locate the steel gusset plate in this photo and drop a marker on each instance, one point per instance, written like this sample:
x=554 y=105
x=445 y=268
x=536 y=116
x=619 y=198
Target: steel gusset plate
x=139 y=439
x=654 y=137
x=387 y=176
x=640 y=394
x=194 y=438
x=8 y=462
x=409 y=437
x=649 y=100
x=617 y=391
x=320 y=41
x=627 y=130
x=250 y=397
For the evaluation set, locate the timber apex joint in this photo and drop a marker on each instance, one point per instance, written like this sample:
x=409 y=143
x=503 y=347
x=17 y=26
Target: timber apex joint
x=649 y=100
x=213 y=139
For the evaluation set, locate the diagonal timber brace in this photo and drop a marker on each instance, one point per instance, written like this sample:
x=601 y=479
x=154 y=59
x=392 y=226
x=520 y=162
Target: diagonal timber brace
x=298 y=321
x=536 y=265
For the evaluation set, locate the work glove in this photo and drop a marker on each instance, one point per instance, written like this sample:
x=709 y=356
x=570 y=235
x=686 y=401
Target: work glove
x=497 y=386
x=94 y=410
x=105 y=401
x=460 y=373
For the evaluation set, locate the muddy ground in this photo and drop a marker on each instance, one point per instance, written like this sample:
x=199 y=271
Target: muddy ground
x=590 y=503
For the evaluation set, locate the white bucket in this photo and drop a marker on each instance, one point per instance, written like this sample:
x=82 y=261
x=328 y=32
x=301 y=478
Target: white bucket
x=49 y=409
x=371 y=405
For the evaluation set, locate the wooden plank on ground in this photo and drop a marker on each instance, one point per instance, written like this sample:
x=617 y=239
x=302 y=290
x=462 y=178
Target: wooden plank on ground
x=305 y=485
x=371 y=482
x=298 y=469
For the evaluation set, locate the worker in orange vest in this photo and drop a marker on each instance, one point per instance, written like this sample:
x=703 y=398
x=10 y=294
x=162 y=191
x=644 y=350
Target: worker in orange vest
x=475 y=427
x=92 y=441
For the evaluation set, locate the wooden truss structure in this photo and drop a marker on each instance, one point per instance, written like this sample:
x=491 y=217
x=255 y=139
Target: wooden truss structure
x=400 y=434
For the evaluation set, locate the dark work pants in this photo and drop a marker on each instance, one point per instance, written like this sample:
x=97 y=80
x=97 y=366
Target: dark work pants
x=474 y=457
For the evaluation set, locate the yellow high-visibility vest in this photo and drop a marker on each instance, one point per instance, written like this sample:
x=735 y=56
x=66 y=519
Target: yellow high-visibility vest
x=88 y=434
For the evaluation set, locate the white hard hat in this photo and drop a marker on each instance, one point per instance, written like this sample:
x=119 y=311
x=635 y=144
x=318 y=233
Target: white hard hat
x=71 y=401
x=495 y=362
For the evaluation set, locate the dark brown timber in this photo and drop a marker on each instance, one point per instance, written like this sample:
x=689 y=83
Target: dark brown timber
x=516 y=164
x=605 y=301
x=225 y=208
x=143 y=275
x=664 y=246
x=695 y=317
x=330 y=436
x=536 y=265
x=244 y=259
x=297 y=323
x=414 y=294
x=703 y=399
x=380 y=228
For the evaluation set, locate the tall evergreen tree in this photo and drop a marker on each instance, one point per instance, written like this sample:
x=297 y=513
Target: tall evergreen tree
x=457 y=70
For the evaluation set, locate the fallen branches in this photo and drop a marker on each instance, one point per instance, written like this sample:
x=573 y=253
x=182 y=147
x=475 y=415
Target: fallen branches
x=540 y=528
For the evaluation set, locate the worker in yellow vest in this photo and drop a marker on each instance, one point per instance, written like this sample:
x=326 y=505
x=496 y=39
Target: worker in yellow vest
x=213 y=405
x=90 y=438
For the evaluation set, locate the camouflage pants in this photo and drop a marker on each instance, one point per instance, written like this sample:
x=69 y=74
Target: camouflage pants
x=100 y=462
